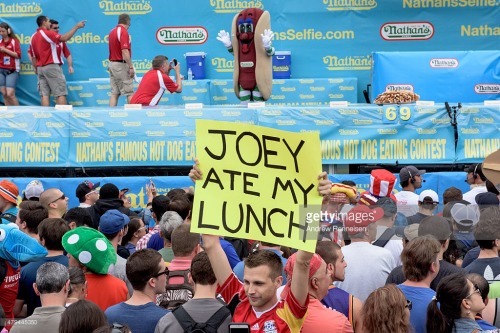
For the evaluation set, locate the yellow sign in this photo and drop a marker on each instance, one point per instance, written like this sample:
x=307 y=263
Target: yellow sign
x=258 y=183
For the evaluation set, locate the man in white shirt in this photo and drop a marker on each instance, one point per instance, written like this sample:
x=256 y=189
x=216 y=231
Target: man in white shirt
x=410 y=179
x=477 y=181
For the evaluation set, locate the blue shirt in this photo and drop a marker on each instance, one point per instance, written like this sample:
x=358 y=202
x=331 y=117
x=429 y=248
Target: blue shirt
x=28 y=277
x=420 y=298
x=140 y=318
x=156 y=242
x=13 y=211
x=238 y=269
x=230 y=252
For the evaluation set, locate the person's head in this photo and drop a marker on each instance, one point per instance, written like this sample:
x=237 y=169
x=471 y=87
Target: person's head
x=332 y=254
x=124 y=19
x=182 y=205
x=201 y=270
x=483 y=285
x=33 y=190
x=52 y=278
x=386 y=310
x=475 y=174
x=55 y=201
x=464 y=216
x=54 y=25
x=82 y=316
x=420 y=258
x=113 y=224
x=29 y=216
x=159 y=206
x=487 y=232
x=160 y=62
x=320 y=277
x=360 y=222
x=6 y=31
x=452 y=194
x=145 y=270
x=136 y=230
x=262 y=276
x=43 y=21
x=8 y=195
x=78 y=217
x=87 y=192
x=410 y=175
x=77 y=283
x=428 y=200
x=390 y=209
x=436 y=226
x=169 y=222
x=410 y=232
x=51 y=232
x=487 y=199
x=109 y=191
x=184 y=242
x=457 y=298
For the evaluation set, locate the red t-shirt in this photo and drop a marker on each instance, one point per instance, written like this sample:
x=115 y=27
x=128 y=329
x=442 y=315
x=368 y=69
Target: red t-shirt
x=286 y=316
x=6 y=61
x=8 y=292
x=119 y=39
x=152 y=87
x=105 y=290
x=44 y=47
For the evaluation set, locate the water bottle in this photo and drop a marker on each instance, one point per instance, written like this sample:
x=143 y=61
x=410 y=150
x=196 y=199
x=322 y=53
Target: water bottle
x=190 y=74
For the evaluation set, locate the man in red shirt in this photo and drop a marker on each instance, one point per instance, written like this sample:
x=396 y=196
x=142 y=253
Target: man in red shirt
x=121 y=70
x=254 y=301
x=46 y=61
x=62 y=48
x=156 y=81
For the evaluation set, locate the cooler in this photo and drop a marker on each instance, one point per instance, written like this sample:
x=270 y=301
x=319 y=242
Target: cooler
x=282 y=61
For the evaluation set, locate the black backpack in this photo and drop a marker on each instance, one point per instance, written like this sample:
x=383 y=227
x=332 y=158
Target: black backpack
x=384 y=238
x=176 y=294
x=210 y=326
x=9 y=217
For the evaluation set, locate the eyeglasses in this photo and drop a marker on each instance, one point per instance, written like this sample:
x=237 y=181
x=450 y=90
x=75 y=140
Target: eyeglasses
x=165 y=272
x=145 y=228
x=409 y=304
x=476 y=291
x=55 y=28
x=60 y=198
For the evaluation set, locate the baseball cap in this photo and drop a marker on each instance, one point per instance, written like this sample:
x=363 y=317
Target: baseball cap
x=33 y=189
x=465 y=215
x=487 y=198
x=411 y=231
x=436 y=226
x=9 y=191
x=85 y=188
x=409 y=172
x=360 y=217
x=428 y=196
x=112 y=221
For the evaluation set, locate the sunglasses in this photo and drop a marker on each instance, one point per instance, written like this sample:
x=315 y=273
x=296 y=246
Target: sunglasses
x=409 y=304
x=476 y=291
x=165 y=272
x=60 y=198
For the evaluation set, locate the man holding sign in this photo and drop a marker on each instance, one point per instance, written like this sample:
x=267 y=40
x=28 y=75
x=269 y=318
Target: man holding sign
x=256 y=180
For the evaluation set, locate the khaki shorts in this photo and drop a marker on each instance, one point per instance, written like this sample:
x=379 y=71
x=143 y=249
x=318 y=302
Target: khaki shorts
x=52 y=81
x=120 y=80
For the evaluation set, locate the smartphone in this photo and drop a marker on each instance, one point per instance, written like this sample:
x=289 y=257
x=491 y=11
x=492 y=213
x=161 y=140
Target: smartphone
x=173 y=63
x=151 y=184
x=239 y=328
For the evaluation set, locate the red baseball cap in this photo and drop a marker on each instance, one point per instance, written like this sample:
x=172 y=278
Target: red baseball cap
x=360 y=217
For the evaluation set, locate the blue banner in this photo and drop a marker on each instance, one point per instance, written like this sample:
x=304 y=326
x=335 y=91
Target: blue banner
x=326 y=38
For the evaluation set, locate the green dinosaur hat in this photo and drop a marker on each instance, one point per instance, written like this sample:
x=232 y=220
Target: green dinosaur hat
x=91 y=248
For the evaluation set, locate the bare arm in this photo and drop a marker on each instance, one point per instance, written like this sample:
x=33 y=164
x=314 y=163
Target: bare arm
x=128 y=60
x=357 y=312
x=178 y=78
x=9 y=52
x=67 y=36
x=300 y=276
x=218 y=259
x=70 y=64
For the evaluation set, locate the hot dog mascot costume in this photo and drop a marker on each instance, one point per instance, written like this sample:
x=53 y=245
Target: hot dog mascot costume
x=252 y=58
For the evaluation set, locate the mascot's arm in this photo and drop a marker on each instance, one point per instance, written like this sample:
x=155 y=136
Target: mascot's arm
x=267 y=38
x=224 y=37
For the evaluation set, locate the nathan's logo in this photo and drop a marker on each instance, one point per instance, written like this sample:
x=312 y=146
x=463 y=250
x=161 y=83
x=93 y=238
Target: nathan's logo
x=234 y=6
x=350 y=4
x=131 y=7
x=348 y=63
x=399 y=87
x=407 y=31
x=223 y=65
x=27 y=69
x=20 y=9
x=181 y=35
x=487 y=88
x=444 y=63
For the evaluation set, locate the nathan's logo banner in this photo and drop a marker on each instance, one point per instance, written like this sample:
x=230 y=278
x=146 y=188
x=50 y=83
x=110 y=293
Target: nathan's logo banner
x=256 y=180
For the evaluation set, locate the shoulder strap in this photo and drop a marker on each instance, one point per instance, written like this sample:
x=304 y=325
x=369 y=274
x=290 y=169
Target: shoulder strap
x=218 y=318
x=384 y=238
x=183 y=318
x=9 y=217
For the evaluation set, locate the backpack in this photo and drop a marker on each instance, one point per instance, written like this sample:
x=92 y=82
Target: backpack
x=176 y=294
x=210 y=326
x=9 y=217
x=384 y=238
